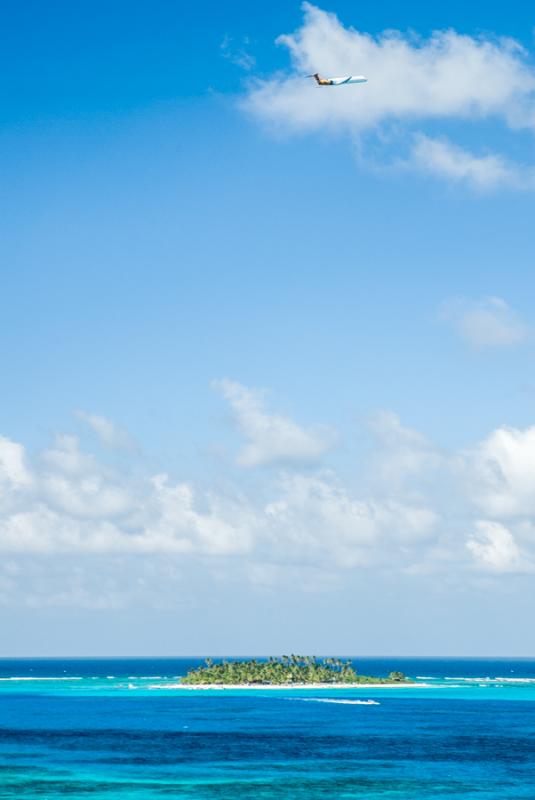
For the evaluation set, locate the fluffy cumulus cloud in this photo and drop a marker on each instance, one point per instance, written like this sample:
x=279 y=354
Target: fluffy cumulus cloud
x=493 y=547
x=412 y=82
x=74 y=504
x=485 y=324
x=317 y=519
x=410 y=508
x=13 y=469
x=501 y=472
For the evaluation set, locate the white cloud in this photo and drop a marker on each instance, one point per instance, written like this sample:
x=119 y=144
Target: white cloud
x=73 y=503
x=400 y=454
x=13 y=468
x=493 y=547
x=443 y=159
x=99 y=511
x=485 y=324
x=388 y=428
x=76 y=483
x=501 y=473
x=318 y=520
x=271 y=438
x=412 y=81
x=409 y=511
x=109 y=434
x=168 y=520
x=92 y=496
x=66 y=457
x=210 y=524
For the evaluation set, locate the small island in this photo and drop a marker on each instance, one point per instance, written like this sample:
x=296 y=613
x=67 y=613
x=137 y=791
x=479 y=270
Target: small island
x=285 y=672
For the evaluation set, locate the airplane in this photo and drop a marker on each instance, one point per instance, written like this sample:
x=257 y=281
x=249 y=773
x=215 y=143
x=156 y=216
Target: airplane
x=337 y=81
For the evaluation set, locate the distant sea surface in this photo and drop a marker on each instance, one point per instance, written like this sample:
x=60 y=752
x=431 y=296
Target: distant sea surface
x=105 y=729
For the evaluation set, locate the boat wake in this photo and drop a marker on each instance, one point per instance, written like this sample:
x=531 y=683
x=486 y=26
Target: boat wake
x=337 y=701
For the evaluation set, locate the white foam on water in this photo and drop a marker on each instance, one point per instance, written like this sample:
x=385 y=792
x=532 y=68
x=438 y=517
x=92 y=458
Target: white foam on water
x=493 y=681
x=40 y=679
x=337 y=702
x=167 y=686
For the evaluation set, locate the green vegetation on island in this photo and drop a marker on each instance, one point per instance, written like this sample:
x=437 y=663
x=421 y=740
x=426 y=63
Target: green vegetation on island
x=286 y=670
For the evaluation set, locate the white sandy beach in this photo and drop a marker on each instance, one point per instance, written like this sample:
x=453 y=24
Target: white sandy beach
x=293 y=686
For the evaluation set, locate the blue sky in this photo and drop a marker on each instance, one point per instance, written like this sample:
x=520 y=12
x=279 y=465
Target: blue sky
x=320 y=331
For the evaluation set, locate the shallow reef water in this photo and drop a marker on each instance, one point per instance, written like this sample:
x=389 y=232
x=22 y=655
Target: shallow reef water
x=106 y=729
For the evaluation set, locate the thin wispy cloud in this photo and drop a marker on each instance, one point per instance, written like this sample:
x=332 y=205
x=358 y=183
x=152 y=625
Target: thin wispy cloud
x=489 y=323
x=442 y=159
x=110 y=434
x=237 y=52
x=272 y=439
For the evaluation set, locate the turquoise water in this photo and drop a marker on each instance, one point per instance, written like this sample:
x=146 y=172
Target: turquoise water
x=107 y=729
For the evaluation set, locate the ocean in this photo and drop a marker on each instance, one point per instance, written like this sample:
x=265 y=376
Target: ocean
x=112 y=728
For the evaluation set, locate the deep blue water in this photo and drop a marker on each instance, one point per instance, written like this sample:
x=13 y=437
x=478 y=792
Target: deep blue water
x=119 y=730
